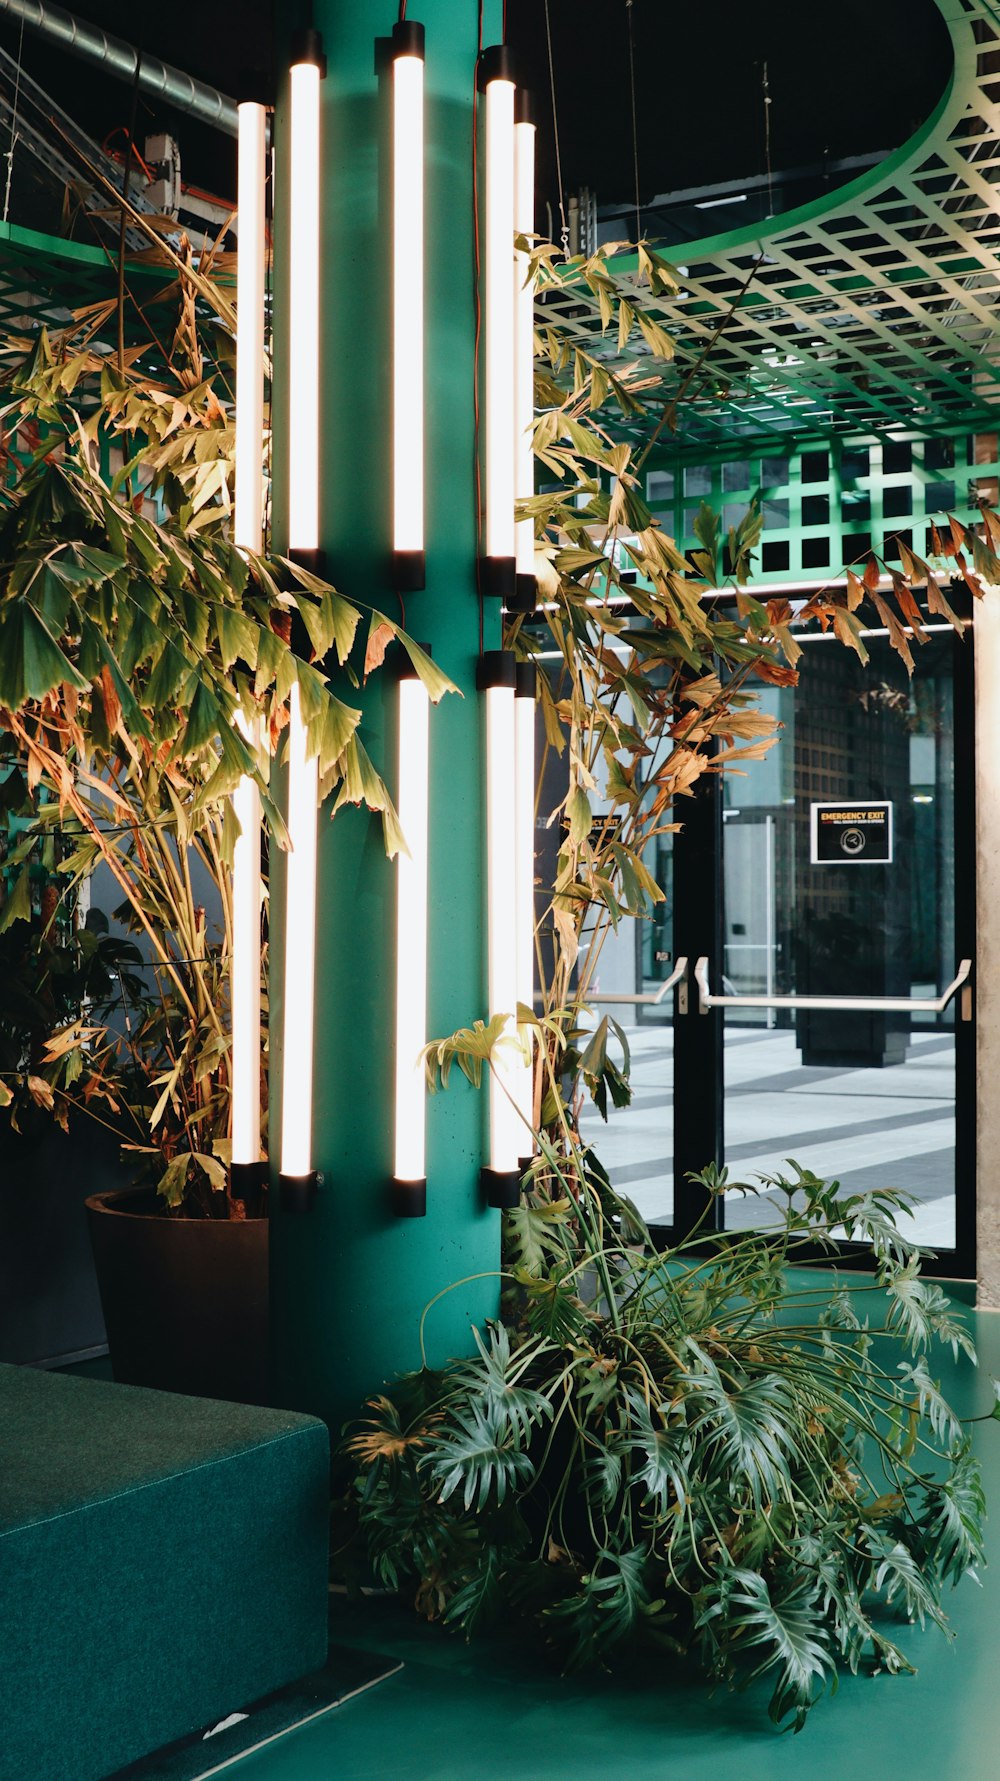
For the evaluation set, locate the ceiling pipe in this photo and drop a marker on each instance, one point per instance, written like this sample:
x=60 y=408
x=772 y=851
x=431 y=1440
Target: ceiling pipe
x=171 y=85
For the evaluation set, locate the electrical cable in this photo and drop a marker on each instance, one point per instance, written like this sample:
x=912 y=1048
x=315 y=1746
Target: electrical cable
x=555 y=132
x=765 y=89
x=13 y=126
x=477 y=309
x=123 y=225
x=122 y=130
x=635 y=134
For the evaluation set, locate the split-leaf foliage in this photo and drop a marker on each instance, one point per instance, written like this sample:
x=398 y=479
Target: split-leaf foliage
x=709 y=1453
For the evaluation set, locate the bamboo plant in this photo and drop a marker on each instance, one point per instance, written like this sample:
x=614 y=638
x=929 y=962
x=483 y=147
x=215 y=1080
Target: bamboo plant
x=138 y=652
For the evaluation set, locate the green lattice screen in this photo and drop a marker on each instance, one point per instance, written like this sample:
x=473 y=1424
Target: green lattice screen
x=43 y=279
x=874 y=308
x=828 y=502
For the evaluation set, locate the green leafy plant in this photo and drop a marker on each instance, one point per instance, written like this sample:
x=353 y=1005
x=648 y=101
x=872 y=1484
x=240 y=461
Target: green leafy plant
x=702 y=1450
x=706 y=1451
x=146 y=665
x=653 y=661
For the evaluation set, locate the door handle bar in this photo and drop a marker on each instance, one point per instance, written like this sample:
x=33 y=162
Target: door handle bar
x=649 y=997
x=859 y=1004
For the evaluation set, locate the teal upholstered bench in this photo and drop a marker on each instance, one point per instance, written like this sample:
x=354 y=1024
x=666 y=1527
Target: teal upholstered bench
x=162 y=1564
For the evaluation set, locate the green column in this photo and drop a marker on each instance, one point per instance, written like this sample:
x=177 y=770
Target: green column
x=349 y=1281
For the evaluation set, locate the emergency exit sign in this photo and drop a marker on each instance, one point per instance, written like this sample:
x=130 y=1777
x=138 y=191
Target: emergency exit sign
x=858 y=834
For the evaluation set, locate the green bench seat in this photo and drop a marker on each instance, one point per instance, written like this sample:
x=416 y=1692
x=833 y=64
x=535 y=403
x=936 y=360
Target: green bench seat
x=163 y=1563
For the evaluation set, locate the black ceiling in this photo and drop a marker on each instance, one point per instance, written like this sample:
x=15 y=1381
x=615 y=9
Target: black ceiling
x=845 y=79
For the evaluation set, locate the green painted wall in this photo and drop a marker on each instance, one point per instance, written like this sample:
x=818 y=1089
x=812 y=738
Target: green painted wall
x=349 y=1281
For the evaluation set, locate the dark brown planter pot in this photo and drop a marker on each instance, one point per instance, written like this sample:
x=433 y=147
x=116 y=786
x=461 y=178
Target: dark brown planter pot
x=184 y=1299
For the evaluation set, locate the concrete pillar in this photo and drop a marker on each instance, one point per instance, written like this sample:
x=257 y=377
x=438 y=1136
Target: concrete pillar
x=349 y=1282
x=987 y=963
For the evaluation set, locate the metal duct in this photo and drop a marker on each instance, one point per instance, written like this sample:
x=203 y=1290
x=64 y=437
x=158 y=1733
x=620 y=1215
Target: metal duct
x=120 y=58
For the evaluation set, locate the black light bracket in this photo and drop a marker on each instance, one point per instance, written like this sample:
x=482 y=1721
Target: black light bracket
x=407 y=571
x=497 y=578
x=526 y=681
x=525 y=596
x=496 y=667
x=307 y=46
x=314 y=561
x=495 y=63
x=502 y=1188
x=400 y=665
x=408 y=39
x=524 y=106
x=298 y=1192
x=409 y=1198
x=248 y=1182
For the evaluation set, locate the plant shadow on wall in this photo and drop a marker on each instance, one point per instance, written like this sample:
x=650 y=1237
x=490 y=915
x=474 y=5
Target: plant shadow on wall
x=705 y=1450
x=146 y=666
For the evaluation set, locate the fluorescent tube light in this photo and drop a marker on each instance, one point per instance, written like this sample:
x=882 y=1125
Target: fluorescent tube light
x=407 y=52
x=524 y=353
x=496 y=680
x=410 y=1172
x=496 y=83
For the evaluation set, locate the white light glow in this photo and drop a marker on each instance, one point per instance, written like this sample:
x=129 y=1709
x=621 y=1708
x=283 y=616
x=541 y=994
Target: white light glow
x=248 y=535
x=507 y=1142
x=499 y=307
x=303 y=315
x=300 y=950
x=249 y=451
x=524 y=299
x=244 y=988
x=408 y=302
x=411 y=933
x=524 y=900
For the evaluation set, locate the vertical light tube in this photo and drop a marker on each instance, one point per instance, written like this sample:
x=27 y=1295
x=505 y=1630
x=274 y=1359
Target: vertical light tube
x=496 y=83
x=407 y=52
x=248 y=535
x=524 y=872
x=524 y=351
x=410 y=1170
x=502 y=1176
x=298 y=1178
x=303 y=294
x=244 y=989
x=250 y=274
x=300 y=953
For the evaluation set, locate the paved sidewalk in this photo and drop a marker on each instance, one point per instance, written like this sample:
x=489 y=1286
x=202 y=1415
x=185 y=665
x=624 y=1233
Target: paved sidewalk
x=871 y=1128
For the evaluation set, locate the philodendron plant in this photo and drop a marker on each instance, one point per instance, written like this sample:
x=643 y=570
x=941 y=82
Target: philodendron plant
x=707 y=1452
x=145 y=666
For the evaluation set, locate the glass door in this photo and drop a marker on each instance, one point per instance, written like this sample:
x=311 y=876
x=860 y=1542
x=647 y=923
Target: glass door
x=820 y=1020
x=634 y=984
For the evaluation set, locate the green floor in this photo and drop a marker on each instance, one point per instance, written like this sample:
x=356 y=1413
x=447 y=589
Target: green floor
x=487 y=1713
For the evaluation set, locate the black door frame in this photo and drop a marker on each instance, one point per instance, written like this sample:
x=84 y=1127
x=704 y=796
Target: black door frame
x=699 y=1094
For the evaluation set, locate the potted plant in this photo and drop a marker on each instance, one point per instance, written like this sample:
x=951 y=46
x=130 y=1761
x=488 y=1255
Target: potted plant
x=133 y=636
